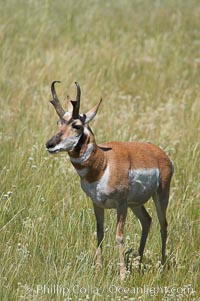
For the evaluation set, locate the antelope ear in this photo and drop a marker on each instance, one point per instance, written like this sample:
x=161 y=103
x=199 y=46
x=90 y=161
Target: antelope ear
x=89 y=116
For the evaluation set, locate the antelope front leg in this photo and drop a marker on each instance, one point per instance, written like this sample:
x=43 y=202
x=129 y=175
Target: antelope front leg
x=99 y=214
x=121 y=217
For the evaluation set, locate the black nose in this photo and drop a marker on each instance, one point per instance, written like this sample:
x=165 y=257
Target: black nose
x=54 y=140
x=50 y=144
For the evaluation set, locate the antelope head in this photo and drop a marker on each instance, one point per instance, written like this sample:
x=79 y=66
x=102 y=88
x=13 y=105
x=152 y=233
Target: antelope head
x=72 y=126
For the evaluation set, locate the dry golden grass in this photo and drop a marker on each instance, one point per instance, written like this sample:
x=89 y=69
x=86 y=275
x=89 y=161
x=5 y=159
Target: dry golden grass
x=142 y=58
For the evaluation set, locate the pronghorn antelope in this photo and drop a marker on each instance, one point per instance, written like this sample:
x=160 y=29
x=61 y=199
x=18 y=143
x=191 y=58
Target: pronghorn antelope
x=114 y=174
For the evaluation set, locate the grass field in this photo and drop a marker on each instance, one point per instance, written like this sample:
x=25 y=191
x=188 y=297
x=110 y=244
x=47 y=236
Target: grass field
x=142 y=58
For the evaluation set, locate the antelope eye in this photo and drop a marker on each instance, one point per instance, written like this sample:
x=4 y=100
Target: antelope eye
x=76 y=126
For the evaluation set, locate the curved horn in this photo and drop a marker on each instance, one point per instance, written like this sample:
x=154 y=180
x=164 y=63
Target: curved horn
x=76 y=103
x=55 y=101
x=78 y=95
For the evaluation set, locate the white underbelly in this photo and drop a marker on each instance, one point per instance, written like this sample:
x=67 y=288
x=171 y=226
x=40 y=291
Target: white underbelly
x=142 y=184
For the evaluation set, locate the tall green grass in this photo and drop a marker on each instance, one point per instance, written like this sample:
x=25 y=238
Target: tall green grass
x=142 y=58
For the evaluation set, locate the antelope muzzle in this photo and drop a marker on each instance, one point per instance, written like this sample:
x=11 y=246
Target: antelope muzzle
x=51 y=144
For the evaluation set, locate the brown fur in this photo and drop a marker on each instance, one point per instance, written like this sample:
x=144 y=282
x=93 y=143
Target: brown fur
x=121 y=157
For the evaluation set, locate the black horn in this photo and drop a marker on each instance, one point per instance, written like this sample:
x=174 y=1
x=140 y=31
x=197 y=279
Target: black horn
x=76 y=103
x=55 y=101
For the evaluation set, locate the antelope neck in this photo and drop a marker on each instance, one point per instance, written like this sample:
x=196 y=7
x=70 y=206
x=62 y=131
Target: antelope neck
x=81 y=155
x=90 y=162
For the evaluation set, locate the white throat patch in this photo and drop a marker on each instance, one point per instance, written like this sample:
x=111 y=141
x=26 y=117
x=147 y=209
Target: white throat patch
x=85 y=156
